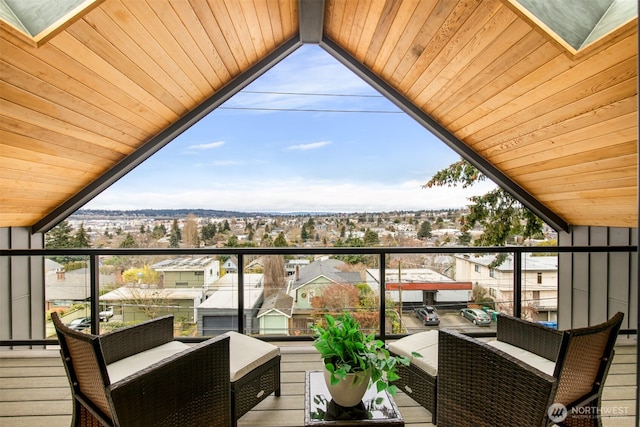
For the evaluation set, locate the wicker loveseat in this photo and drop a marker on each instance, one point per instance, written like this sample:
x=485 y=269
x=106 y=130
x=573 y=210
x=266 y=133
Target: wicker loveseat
x=140 y=376
x=530 y=375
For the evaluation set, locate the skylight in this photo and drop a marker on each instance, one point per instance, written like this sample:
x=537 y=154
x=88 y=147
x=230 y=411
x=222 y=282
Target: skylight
x=578 y=24
x=39 y=20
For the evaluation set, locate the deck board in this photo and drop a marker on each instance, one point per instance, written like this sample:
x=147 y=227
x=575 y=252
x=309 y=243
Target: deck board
x=34 y=391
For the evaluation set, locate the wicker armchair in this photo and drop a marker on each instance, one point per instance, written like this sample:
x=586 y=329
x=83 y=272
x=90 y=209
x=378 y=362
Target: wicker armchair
x=176 y=384
x=481 y=385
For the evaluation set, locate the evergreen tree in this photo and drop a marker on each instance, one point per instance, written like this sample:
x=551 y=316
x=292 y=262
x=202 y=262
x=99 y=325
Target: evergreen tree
x=281 y=241
x=159 y=231
x=81 y=238
x=128 y=242
x=501 y=216
x=208 y=232
x=232 y=242
x=464 y=239
x=371 y=238
x=425 y=230
x=175 y=236
x=60 y=236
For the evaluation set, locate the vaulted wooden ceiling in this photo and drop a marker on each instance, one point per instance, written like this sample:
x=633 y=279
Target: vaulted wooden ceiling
x=96 y=97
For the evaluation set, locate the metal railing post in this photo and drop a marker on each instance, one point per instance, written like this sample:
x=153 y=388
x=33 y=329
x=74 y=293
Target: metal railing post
x=517 y=284
x=94 y=262
x=240 y=293
x=383 y=308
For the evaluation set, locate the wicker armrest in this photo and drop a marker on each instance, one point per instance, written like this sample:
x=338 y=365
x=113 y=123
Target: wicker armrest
x=530 y=336
x=188 y=388
x=135 y=339
x=479 y=385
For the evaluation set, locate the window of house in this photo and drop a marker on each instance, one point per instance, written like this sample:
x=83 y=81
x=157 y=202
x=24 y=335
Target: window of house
x=539 y=277
x=476 y=268
x=492 y=272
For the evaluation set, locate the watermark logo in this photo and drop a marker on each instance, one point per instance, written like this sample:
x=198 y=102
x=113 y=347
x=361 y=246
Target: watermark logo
x=557 y=412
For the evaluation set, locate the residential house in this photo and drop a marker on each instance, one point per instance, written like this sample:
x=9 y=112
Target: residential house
x=218 y=312
x=293 y=265
x=310 y=282
x=188 y=272
x=539 y=282
x=182 y=286
x=275 y=315
x=230 y=265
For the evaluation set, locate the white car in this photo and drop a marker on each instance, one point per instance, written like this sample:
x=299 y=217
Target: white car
x=106 y=315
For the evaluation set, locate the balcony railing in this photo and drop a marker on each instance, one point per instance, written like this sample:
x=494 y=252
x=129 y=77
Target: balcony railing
x=377 y=256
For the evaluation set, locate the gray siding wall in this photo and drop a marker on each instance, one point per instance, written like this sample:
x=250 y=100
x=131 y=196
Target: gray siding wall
x=21 y=286
x=594 y=286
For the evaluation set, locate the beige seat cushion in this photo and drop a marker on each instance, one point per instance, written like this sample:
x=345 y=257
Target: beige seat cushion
x=424 y=343
x=540 y=363
x=248 y=353
x=132 y=364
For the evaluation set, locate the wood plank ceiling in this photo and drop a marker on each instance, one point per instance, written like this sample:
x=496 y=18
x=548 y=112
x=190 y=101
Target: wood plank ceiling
x=561 y=127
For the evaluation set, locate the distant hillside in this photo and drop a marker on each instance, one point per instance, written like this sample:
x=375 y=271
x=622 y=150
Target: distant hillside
x=163 y=213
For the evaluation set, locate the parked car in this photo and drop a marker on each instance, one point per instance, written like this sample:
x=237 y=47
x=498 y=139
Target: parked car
x=106 y=315
x=432 y=318
x=80 y=324
x=427 y=315
x=476 y=316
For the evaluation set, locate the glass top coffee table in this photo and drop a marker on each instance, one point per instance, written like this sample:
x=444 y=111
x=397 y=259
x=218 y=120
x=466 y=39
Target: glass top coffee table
x=376 y=409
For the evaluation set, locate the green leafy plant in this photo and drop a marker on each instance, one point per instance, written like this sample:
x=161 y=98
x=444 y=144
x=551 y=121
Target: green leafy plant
x=345 y=349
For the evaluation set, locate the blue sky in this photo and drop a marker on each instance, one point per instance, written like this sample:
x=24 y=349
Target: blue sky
x=245 y=158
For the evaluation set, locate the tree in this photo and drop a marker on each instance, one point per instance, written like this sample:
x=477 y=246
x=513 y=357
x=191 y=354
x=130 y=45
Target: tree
x=60 y=236
x=281 y=241
x=208 y=232
x=274 y=277
x=159 y=231
x=371 y=238
x=190 y=232
x=128 y=242
x=501 y=216
x=425 y=230
x=464 y=239
x=176 y=236
x=81 y=238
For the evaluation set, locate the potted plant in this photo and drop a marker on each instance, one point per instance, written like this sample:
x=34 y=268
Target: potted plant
x=353 y=360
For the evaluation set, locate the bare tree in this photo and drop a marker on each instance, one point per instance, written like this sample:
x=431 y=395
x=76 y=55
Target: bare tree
x=190 y=236
x=151 y=302
x=274 y=279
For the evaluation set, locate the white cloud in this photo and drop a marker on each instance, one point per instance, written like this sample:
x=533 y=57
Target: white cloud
x=295 y=195
x=207 y=146
x=310 y=146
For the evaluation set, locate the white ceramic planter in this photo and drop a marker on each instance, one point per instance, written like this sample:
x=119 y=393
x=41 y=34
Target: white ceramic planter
x=348 y=392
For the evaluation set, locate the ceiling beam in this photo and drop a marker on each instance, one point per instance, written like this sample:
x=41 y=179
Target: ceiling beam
x=445 y=136
x=163 y=138
x=311 y=20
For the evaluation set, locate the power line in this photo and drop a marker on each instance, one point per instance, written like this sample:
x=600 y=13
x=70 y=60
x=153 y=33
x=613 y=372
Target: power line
x=311 y=94
x=312 y=110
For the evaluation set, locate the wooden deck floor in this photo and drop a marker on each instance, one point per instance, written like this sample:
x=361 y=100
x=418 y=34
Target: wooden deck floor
x=34 y=391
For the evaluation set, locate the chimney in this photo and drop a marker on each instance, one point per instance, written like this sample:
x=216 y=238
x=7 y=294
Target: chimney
x=60 y=274
x=297 y=273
